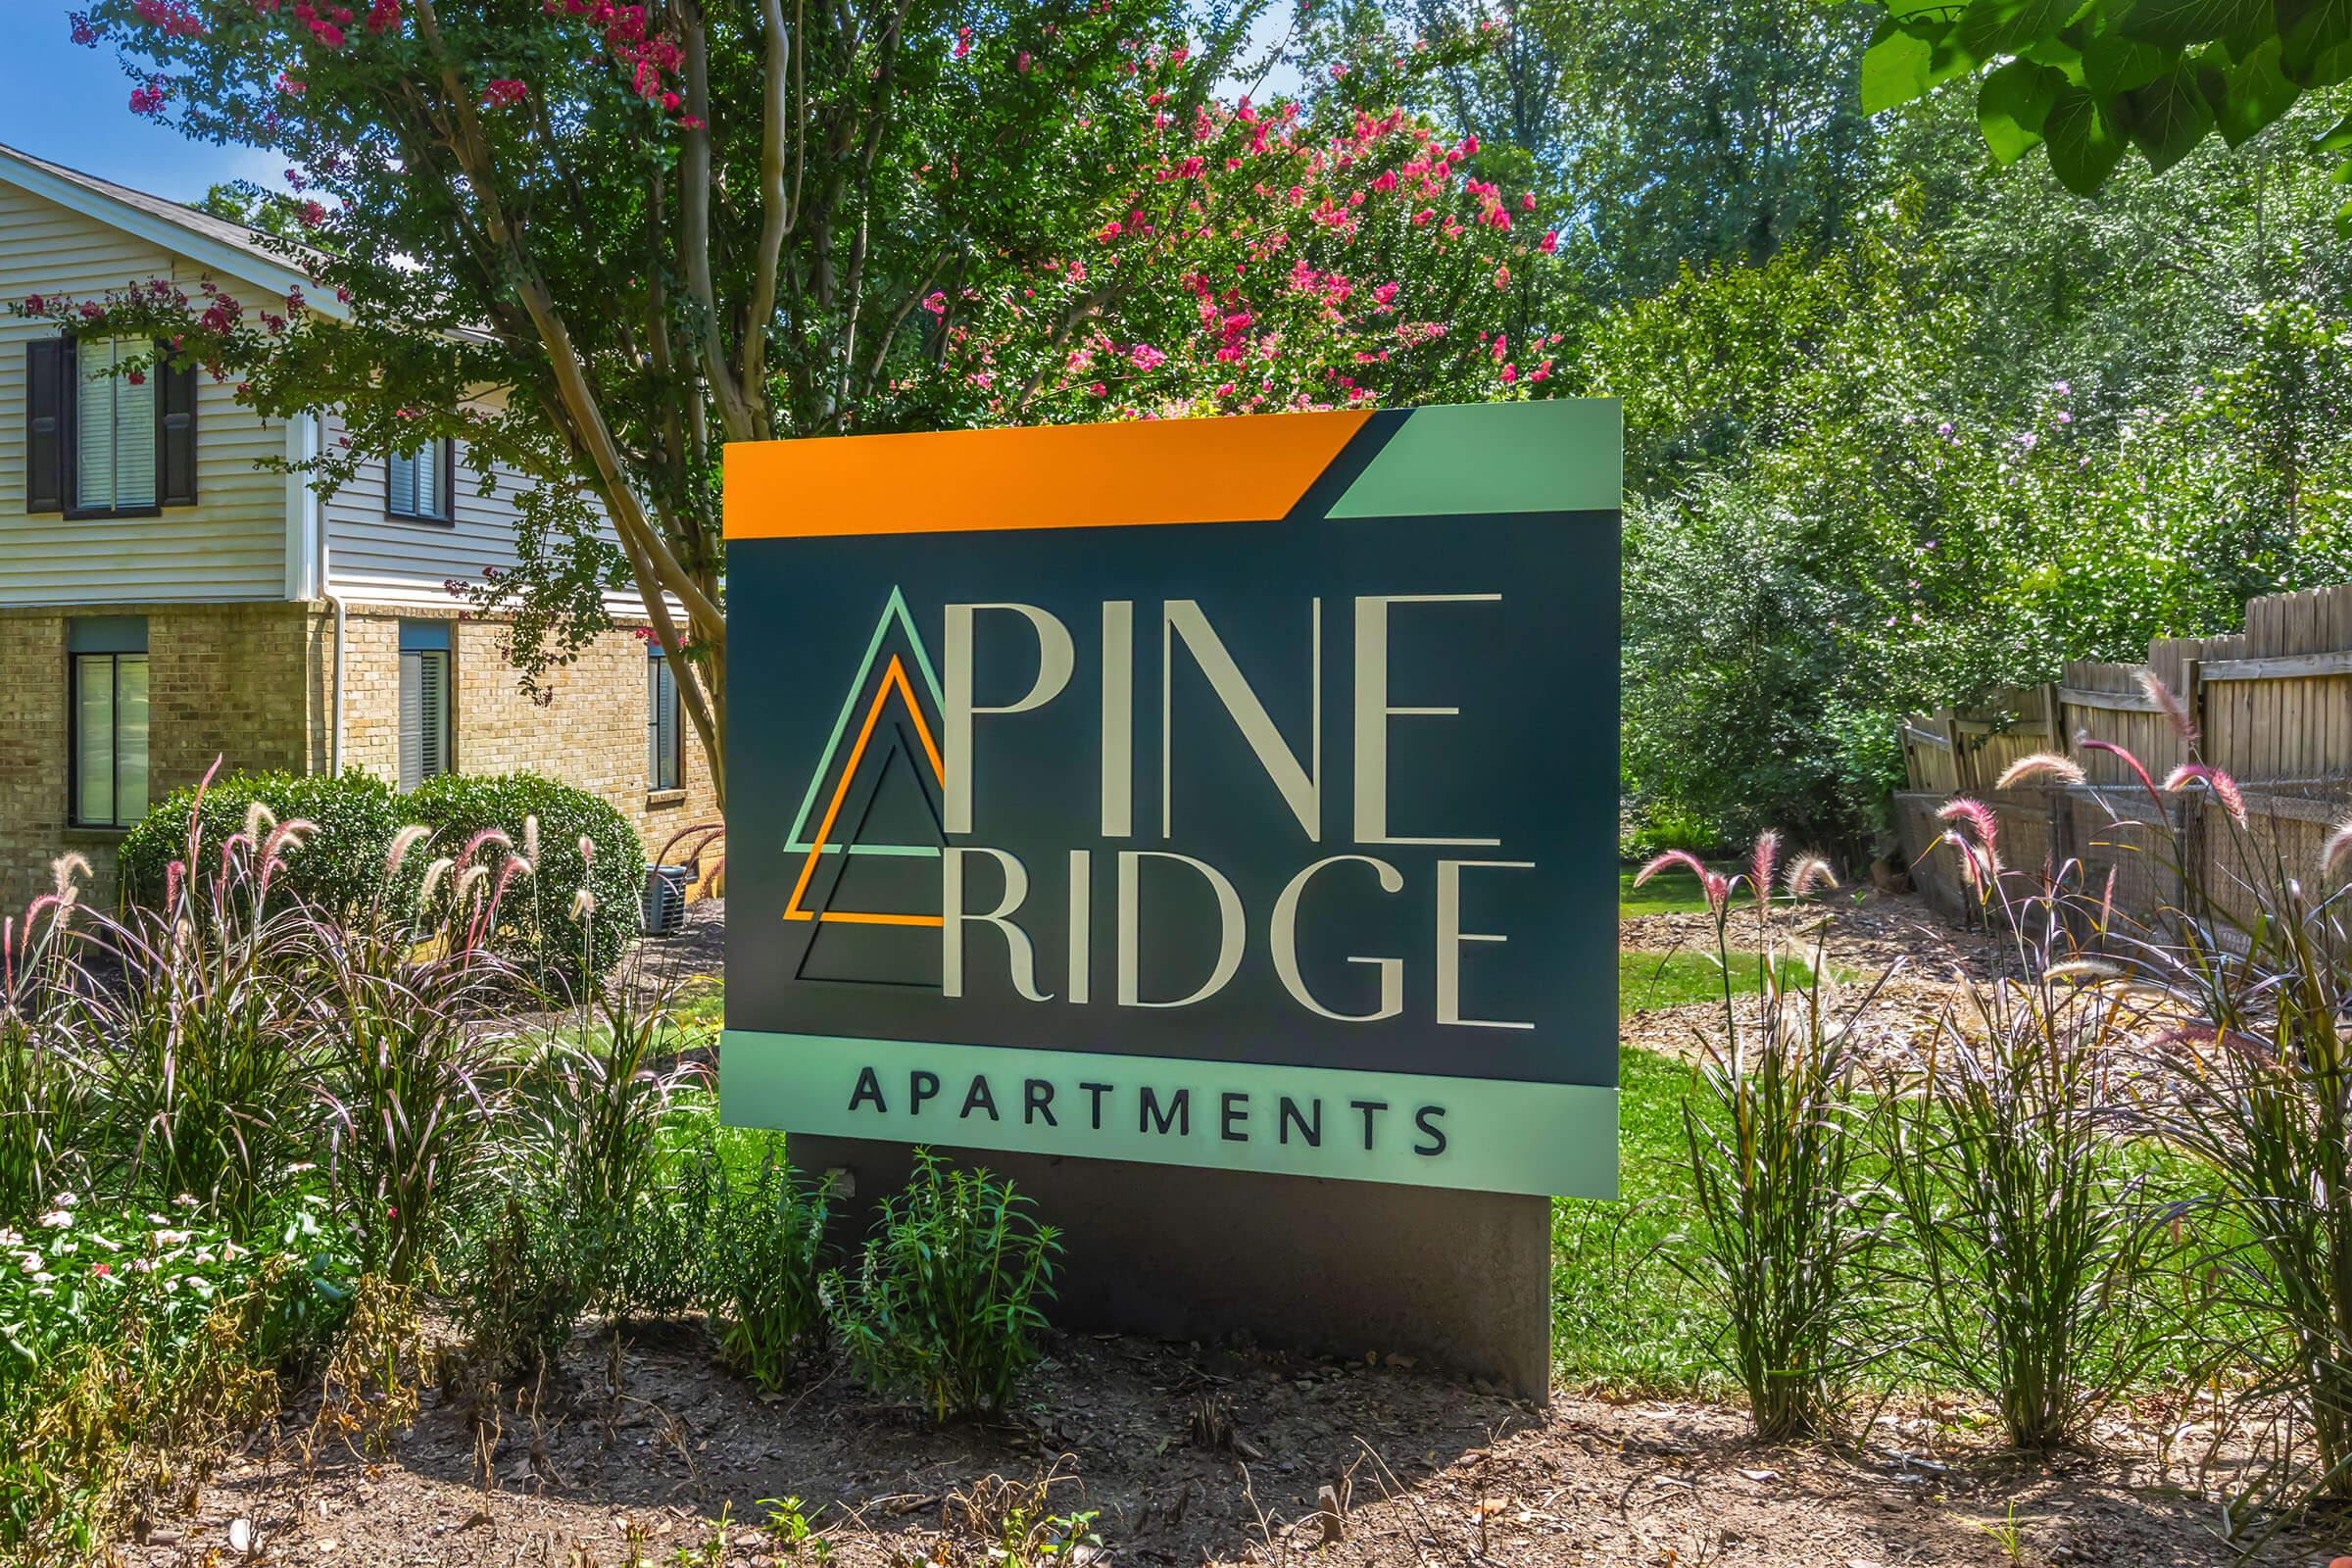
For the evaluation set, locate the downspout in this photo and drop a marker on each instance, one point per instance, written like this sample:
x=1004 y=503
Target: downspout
x=315 y=520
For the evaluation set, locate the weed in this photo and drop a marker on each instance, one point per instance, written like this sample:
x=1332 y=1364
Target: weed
x=794 y=1532
x=763 y=1272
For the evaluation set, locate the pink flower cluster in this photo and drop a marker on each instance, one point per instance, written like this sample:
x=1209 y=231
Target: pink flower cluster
x=149 y=100
x=654 y=61
x=174 y=18
x=83 y=33
x=383 y=15
x=328 y=24
x=504 y=93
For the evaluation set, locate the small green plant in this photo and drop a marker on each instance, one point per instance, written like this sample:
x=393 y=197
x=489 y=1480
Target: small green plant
x=794 y=1532
x=763 y=1269
x=1028 y=1543
x=2007 y=1534
x=945 y=1302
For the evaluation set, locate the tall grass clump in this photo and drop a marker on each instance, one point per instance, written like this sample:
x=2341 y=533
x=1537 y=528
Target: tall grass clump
x=602 y=1167
x=947 y=1300
x=413 y=1090
x=2255 y=999
x=764 y=1266
x=1774 y=1131
x=45 y=1066
x=209 y=1063
x=2031 y=1238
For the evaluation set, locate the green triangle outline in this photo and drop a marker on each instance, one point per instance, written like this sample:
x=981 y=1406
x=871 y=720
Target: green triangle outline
x=894 y=608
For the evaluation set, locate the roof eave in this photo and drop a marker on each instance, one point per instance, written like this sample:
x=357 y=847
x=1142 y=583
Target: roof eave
x=207 y=251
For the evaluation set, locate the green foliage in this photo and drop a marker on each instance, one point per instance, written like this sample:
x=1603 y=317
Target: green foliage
x=539 y=927
x=340 y=868
x=947 y=1300
x=763 y=1269
x=121 y=1330
x=605 y=1163
x=2091 y=82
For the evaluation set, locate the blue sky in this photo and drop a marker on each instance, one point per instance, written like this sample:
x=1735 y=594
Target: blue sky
x=72 y=106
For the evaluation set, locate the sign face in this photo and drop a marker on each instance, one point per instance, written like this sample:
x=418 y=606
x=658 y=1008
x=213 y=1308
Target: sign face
x=1234 y=793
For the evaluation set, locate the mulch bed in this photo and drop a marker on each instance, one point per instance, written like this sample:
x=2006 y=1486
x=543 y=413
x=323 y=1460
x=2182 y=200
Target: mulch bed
x=1188 y=1455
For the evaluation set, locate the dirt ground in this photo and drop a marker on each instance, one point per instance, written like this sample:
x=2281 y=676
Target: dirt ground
x=1186 y=1457
x=1889 y=948
x=640 y=1448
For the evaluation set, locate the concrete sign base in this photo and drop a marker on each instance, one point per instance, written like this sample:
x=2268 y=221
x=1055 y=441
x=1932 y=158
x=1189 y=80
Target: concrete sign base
x=1457 y=1280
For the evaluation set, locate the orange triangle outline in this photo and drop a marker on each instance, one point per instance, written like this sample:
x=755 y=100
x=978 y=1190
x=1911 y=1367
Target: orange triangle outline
x=894 y=676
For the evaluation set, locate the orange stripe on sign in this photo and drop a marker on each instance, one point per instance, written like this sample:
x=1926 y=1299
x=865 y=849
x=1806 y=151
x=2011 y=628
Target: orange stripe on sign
x=1244 y=469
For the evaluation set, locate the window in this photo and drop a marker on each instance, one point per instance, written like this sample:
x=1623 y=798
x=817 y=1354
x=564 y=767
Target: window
x=424 y=700
x=417 y=484
x=107 y=707
x=665 y=748
x=113 y=459
x=101 y=440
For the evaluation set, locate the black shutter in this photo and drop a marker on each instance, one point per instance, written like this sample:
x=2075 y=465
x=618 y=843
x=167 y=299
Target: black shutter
x=47 y=399
x=174 y=436
x=449 y=479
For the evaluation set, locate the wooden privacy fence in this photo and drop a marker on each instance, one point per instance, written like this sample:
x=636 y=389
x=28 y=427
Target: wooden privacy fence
x=2274 y=708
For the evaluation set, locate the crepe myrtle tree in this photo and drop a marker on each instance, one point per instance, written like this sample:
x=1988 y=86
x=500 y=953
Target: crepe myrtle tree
x=597 y=241
x=1284 y=258
x=2092 y=80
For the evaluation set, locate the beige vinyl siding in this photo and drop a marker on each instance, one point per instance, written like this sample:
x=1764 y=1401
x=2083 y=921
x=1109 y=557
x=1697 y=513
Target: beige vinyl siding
x=230 y=545
x=373 y=558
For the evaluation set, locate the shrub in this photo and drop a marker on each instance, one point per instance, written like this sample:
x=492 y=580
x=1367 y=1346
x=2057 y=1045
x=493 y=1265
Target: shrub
x=338 y=870
x=117 y=1333
x=762 y=1274
x=1773 y=1135
x=540 y=929
x=944 y=1304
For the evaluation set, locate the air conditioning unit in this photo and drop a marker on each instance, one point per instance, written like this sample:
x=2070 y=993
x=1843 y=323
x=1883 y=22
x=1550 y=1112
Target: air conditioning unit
x=665 y=899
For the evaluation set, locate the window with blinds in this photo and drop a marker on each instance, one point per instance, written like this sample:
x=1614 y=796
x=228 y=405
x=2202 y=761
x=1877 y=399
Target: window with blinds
x=114 y=426
x=417 y=483
x=425 y=729
x=664 y=756
x=107 y=666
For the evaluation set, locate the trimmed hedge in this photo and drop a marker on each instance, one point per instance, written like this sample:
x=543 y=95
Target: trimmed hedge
x=341 y=869
x=536 y=927
x=336 y=872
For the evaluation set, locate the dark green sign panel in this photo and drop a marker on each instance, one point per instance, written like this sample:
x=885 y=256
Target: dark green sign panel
x=1233 y=793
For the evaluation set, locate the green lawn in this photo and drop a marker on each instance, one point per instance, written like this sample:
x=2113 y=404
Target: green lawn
x=1647 y=981
x=1626 y=1317
x=1674 y=891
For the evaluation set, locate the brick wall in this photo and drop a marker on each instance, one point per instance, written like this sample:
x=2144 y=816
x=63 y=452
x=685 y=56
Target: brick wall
x=590 y=731
x=224 y=680
x=252 y=683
